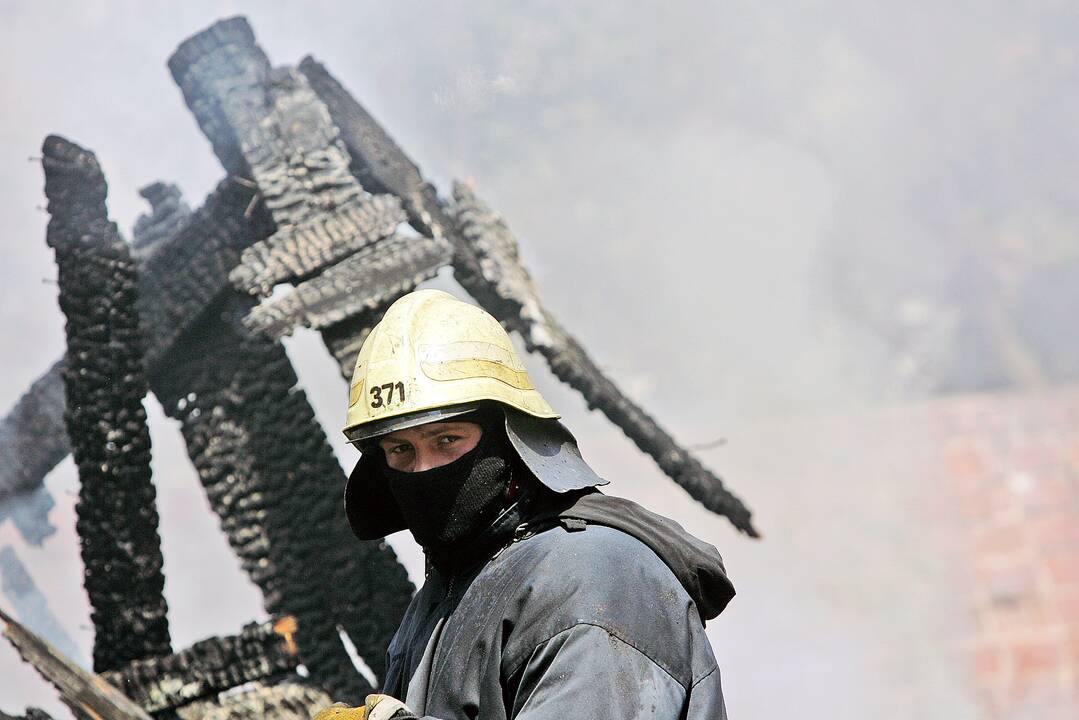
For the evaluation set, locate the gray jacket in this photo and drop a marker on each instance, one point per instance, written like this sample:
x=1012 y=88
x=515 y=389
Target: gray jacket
x=594 y=610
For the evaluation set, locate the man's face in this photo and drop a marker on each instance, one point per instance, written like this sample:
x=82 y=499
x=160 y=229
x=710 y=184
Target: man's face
x=429 y=446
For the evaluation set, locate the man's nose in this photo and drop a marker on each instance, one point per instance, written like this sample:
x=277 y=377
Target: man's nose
x=424 y=460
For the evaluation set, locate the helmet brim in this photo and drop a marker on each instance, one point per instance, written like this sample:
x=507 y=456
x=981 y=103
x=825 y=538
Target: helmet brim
x=370 y=431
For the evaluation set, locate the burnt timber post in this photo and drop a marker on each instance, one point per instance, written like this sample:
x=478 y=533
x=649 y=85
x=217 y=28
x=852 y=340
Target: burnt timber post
x=106 y=423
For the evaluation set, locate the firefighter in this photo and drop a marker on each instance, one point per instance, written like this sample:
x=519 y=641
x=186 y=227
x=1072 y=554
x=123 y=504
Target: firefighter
x=544 y=598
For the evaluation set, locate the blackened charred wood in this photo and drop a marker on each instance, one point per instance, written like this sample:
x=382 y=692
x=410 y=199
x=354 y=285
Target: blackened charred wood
x=264 y=122
x=180 y=276
x=360 y=283
x=320 y=561
x=259 y=651
x=184 y=260
x=299 y=251
x=345 y=338
x=486 y=273
x=32 y=436
x=270 y=126
x=106 y=423
x=375 y=159
x=215 y=369
x=32 y=713
x=271 y=476
x=168 y=212
x=274 y=122
x=287 y=700
x=87 y=695
x=205 y=391
x=207 y=66
x=296 y=159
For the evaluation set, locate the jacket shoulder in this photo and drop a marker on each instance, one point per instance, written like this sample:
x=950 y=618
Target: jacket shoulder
x=604 y=577
x=600 y=560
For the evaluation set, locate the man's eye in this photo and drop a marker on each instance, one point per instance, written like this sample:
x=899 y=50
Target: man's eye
x=399 y=449
x=448 y=439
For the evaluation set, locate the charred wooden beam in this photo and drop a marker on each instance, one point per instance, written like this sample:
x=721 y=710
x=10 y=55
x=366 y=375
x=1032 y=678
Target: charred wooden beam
x=283 y=701
x=484 y=256
x=345 y=338
x=318 y=558
x=88 y=695
x=375 y=159
x=263 y=123
x=32 y=713
x=272 y=478
x=106 y=423
x=200 y=391
x=192 y=386
x=268 y=125
x=260 y=651
x=181 y=275
x=299 y=251
x=360 y=283
x=167 y=212
x=32 y=436
x=223 y=56
x=184 y=264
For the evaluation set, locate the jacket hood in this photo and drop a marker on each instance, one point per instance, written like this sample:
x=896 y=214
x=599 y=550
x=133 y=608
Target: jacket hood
x=697 y=564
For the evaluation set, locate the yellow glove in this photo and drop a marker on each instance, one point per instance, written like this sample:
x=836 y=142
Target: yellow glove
x=376 y=707
x=340 y=711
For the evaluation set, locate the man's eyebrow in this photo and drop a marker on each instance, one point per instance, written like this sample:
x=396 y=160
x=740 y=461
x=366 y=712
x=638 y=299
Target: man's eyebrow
x=444 y=427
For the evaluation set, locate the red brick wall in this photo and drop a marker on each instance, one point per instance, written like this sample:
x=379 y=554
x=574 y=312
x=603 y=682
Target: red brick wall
x=1010 y=468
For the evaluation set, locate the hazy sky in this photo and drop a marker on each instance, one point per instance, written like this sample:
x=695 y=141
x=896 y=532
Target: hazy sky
x=688 y=180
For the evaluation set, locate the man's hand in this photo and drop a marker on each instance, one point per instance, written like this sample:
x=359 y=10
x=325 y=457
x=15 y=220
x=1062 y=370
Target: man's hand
x=376 y=707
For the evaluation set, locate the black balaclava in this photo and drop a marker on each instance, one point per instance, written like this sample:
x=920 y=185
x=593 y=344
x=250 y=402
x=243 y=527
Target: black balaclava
x=454 y=502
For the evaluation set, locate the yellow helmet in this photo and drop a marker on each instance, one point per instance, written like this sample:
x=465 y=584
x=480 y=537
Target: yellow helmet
x=431 y=357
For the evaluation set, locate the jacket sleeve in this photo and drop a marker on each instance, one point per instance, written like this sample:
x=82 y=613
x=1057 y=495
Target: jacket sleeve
x=586 y=672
